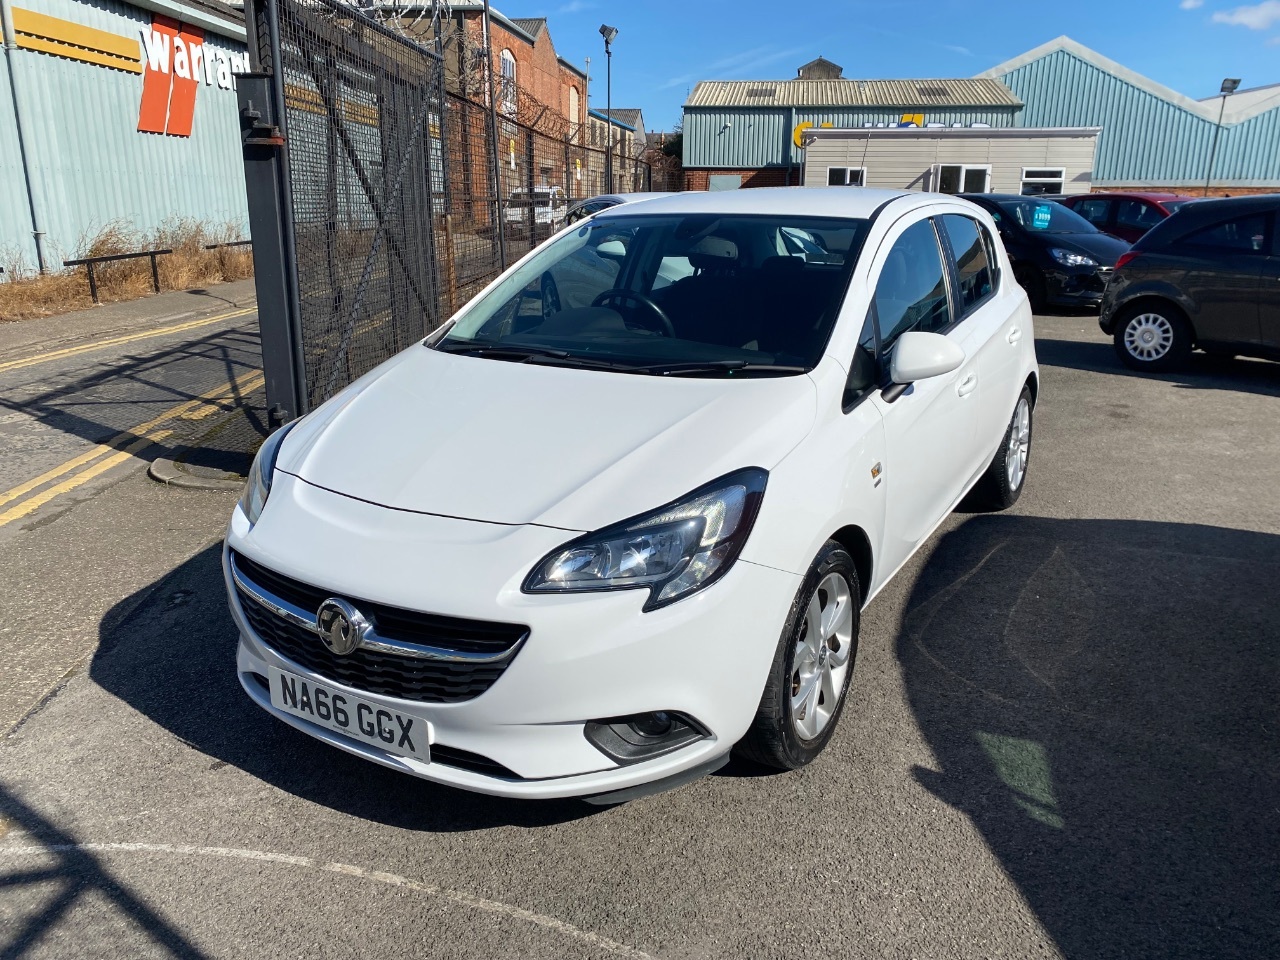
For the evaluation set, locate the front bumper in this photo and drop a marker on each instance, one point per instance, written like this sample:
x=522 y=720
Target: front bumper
x=587 y=656
x=1076 y=287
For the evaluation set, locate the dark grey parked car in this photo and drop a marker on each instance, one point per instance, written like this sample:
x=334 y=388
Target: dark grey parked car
x=1207 y=277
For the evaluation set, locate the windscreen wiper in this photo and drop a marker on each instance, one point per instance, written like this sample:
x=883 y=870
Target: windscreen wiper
x=526 y=354
x=696 y=367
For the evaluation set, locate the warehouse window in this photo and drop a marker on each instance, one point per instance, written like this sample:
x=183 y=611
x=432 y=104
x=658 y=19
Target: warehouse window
x=507 y=83
x=846 y=176
x=1037 y=181
x=956 y=178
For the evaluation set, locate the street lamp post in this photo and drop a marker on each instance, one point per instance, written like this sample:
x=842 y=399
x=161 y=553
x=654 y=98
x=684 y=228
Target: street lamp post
x=1229 y=87
x=610 y=34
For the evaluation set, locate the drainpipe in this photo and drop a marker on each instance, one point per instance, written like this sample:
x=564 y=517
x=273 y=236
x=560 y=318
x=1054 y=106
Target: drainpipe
x=10 y=54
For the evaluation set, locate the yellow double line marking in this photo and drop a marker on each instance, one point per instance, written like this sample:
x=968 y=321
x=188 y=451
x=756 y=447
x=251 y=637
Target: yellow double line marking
x=126 y=338
x=121 y=447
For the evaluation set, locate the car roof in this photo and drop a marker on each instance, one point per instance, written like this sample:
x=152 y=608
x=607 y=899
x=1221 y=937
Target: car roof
x=1133 y=195
x=1191 y=216
x=996 y=197
x=850 y=202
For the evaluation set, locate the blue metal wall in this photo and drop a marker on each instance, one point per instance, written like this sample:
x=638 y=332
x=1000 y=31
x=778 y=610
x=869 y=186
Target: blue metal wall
x=89 y=164
x=749 y=138
x=1146 y=140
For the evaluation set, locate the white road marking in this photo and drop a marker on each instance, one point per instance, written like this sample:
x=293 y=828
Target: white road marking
x=346 y=869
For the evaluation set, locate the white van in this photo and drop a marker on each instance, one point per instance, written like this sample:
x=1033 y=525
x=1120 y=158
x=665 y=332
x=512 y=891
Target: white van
x=549 y=207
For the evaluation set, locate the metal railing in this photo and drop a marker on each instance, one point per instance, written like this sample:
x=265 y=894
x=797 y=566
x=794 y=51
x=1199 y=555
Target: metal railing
x=89 y=262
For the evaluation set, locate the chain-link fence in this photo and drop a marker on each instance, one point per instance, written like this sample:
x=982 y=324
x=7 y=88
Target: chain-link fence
x=402 y=200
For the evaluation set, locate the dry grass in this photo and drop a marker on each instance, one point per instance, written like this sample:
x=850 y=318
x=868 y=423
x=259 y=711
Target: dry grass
x=26 y=293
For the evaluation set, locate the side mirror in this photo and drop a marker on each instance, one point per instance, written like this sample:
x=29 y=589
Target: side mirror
x=612 y=250
x=919 y=356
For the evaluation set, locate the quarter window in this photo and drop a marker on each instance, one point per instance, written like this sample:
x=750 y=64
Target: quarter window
x=864 y=374
x=973 y=268
x=1241 y=235
x=1039 y=181
x=911 y=293
x=846 y=176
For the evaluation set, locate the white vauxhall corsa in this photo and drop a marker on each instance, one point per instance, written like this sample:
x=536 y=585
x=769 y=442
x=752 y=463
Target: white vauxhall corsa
x=621 y=515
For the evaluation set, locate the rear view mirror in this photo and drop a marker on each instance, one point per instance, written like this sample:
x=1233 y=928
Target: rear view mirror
x=612 y=250
x=919 y=356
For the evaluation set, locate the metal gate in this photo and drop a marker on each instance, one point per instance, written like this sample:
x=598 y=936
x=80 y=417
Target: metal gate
x=380 y=202
x=344 y=121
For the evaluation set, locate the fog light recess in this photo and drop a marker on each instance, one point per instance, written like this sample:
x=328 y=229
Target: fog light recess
x=643 y=736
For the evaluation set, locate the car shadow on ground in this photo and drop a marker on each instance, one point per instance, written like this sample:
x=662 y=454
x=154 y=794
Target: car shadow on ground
x=1103 y=701
x=1202 y=372
x=169 y=651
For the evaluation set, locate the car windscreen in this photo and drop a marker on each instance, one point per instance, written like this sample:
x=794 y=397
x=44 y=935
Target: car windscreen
x=1045 y=216
x=1172 y=205
x=692 y=294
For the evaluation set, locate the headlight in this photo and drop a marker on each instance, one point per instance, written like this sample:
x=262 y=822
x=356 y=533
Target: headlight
x=674 y=550
x=1069 y=259
x=258 y=488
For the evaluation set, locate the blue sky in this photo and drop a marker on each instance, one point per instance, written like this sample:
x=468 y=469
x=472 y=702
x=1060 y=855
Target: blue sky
x=664 y=47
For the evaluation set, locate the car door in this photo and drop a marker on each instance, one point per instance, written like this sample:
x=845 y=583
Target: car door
x=994 y=330
x=1221 y=275
x=930 y=428
x=1269 y=294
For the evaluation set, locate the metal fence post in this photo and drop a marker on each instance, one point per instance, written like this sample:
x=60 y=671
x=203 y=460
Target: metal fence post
x=266 y=182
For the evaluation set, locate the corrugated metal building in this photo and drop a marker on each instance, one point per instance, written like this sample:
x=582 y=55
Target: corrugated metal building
x=750 y=133
x=116 y=111
x=1151 y=136
x=750 y=128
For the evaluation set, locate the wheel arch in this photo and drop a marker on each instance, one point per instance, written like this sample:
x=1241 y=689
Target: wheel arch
x=854 y=539
x=1033 y=384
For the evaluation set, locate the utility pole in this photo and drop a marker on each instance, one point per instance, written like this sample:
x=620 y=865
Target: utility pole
x=610 y=34
x=1229 y=87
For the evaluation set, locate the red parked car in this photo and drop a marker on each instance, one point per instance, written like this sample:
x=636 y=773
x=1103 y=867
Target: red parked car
x=1125 y=215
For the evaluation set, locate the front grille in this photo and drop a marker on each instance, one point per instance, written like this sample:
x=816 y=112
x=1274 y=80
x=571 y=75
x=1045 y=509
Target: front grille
x=389 y=675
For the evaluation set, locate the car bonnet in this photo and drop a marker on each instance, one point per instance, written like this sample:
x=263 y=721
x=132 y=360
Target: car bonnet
x=518 y=443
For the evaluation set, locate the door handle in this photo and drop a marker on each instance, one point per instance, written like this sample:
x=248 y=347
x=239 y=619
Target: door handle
x=967 y=385
x=1015 y=334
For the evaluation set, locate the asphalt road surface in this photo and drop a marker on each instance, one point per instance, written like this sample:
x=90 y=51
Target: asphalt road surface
x=1063 y=741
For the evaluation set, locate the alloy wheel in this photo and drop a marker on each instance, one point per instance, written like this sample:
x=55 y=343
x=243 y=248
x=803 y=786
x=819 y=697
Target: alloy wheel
x=1015 y=457
x=1148 y=336
x=821 y=657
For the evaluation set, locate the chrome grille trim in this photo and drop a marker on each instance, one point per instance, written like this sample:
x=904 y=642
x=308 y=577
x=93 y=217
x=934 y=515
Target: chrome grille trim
x=372 y=641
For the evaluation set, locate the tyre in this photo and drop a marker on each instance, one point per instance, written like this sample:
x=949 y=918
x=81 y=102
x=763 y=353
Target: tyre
x=1001 y=485
x=1153 y=337
x=812 y=667
x=1032 y=281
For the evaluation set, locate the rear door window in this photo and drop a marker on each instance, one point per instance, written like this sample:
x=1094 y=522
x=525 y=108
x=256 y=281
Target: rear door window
x=1239 y=235
x=973 y=266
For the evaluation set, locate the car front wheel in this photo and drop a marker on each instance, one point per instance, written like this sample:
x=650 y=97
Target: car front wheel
x=812 y=666
x=1001 y=485
x=1153 y=337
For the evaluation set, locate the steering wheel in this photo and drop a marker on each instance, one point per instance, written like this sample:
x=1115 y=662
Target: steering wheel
x=619 y=295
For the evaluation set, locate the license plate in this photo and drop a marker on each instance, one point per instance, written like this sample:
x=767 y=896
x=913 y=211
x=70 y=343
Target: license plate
x=390 y=730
